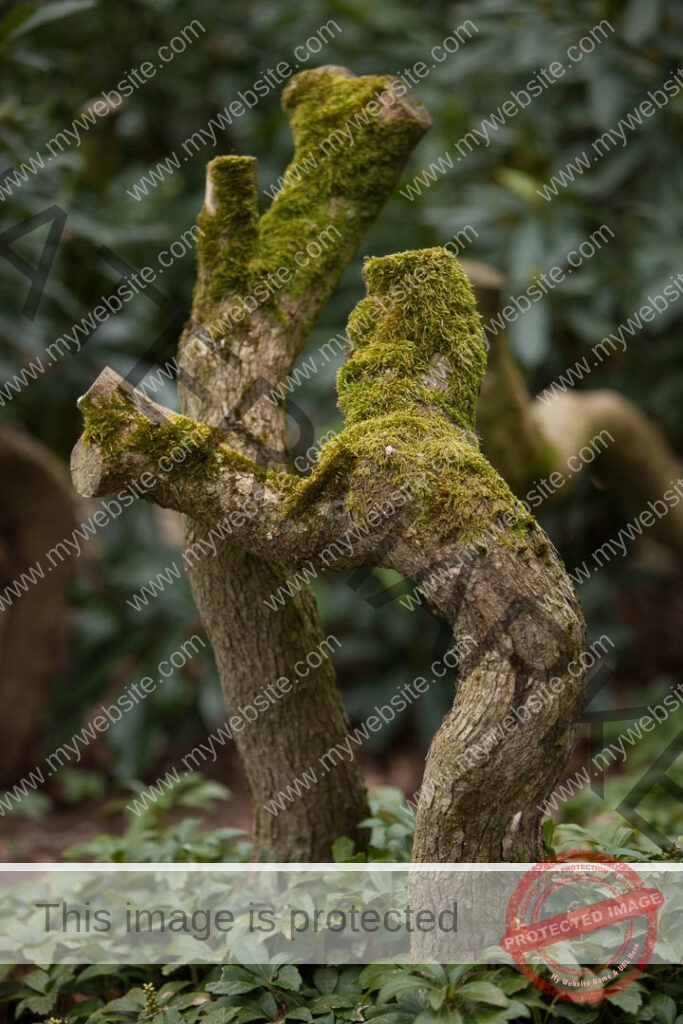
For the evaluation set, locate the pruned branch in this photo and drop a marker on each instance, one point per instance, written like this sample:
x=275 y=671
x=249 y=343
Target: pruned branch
x=127 y=438
x=352 y=137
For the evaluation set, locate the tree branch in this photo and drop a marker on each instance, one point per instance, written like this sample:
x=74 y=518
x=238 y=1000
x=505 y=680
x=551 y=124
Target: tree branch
x=129 y=439
x=352 y=137
x=178 y=463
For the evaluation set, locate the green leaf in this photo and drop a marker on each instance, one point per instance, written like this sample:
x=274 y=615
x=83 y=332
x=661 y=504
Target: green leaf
x=133 y=1001
x=51 y=12
x=437 y=997
x=37 y=1004
x=14 y=18
x=515 y=1010
x=37 y=980
x=168 y=1016
x=325 y=980
x=236 y=987
x=289 y=978
x=398 y=985
x=343 y=849
x=665 y=1008
x=628 y=999
x=483 y=992
x=456 y=972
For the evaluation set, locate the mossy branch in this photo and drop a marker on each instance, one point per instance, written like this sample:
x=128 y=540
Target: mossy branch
x=228 y=244
x=352 y=137
x=175 y=462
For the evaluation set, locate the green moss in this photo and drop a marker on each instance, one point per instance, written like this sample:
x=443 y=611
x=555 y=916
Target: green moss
x=406 y=421
x=228 y=245
x=105 y=424
x=453 y=483
x=332 y=476
x=417 y=340
x=349 y=155
x=114 y=427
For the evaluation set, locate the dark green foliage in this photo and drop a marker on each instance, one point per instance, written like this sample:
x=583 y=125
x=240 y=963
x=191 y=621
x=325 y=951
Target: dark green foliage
x=393 y=993
x=255 y=994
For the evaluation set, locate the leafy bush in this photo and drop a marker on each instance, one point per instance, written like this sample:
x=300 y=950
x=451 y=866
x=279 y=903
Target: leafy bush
x=389 y=993
x=148 y=838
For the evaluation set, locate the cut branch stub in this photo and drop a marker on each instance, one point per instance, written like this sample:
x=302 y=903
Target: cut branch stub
x=352 y=137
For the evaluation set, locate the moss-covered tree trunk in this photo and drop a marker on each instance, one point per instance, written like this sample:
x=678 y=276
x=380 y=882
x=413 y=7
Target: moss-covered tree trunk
x=406 y=486
x=261 y=283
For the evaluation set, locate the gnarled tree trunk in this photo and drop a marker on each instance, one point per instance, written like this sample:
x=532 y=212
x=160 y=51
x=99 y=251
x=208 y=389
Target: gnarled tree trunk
x=405 y=486
x=261 y=284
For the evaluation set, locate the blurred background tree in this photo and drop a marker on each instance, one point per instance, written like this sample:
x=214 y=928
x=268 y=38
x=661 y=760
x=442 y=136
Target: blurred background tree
x=58 y=57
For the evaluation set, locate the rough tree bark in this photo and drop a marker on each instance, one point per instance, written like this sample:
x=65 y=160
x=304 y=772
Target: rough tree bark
x=405 y=486
x=261 y=284
x=527 y=440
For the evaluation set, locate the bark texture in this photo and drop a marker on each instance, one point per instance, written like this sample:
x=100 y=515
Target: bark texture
x=405 y=486
x=527 y=439
x=261 y=283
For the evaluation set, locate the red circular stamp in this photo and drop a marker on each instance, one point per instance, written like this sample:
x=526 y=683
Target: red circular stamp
x=570 y=899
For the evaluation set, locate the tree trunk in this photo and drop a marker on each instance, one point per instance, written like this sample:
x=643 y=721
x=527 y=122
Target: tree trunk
x=406 y=487
x=36 y=514
x=261 y=284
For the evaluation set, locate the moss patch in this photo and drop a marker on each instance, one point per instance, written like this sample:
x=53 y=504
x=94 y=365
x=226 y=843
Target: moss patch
x=347 y=156
x=417 y=340
x=105 y=424
x=456 y=487
x=115 y=427
x=409 y=391
x=227 y=247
